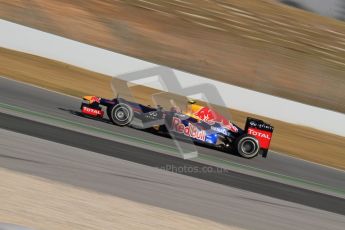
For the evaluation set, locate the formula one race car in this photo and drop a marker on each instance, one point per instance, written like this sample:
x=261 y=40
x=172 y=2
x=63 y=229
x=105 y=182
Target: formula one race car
x=201 y=124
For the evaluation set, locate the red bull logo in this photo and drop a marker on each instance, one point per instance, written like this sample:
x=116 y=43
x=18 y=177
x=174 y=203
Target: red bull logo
x=190 y=130
x=92 y=99
x=211 y=117
x=95 y=99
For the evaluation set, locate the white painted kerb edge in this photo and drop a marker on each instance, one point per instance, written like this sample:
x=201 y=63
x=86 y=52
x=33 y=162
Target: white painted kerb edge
x=28 y=40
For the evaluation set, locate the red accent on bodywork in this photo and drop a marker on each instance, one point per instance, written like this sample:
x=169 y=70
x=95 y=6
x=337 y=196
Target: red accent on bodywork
x=190 y=130
x=95 y=99
x=92 y=112
x=264 y=137
x=210 y=116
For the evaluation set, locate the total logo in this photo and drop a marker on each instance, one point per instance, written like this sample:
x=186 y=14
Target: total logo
x=259 y=134
x=209 y=116
x=190 y=130
x=94 y=112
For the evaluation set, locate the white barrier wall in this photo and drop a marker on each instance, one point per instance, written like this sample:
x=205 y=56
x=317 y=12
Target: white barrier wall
x=329 y=8
x=28 y=40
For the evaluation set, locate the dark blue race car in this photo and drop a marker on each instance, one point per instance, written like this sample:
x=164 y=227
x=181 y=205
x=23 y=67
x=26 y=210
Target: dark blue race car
x=201 y=124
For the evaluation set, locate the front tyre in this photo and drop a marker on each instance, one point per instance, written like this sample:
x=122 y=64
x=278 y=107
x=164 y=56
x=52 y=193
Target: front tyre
x=121 y=114
x=247 y=146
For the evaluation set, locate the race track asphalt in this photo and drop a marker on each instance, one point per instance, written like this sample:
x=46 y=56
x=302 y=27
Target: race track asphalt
x=64 y=107
x=150 y=185
x=61 y=106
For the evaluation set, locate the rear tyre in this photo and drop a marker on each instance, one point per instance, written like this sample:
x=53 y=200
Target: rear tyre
x=247 y=146
x=121 y=114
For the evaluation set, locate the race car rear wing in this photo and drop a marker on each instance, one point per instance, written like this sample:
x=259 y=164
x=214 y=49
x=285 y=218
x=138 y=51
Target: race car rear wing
x=262 y=131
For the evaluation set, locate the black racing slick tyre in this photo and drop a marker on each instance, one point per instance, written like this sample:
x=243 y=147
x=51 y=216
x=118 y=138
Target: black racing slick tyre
x=247 y=146
x=121 y=114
